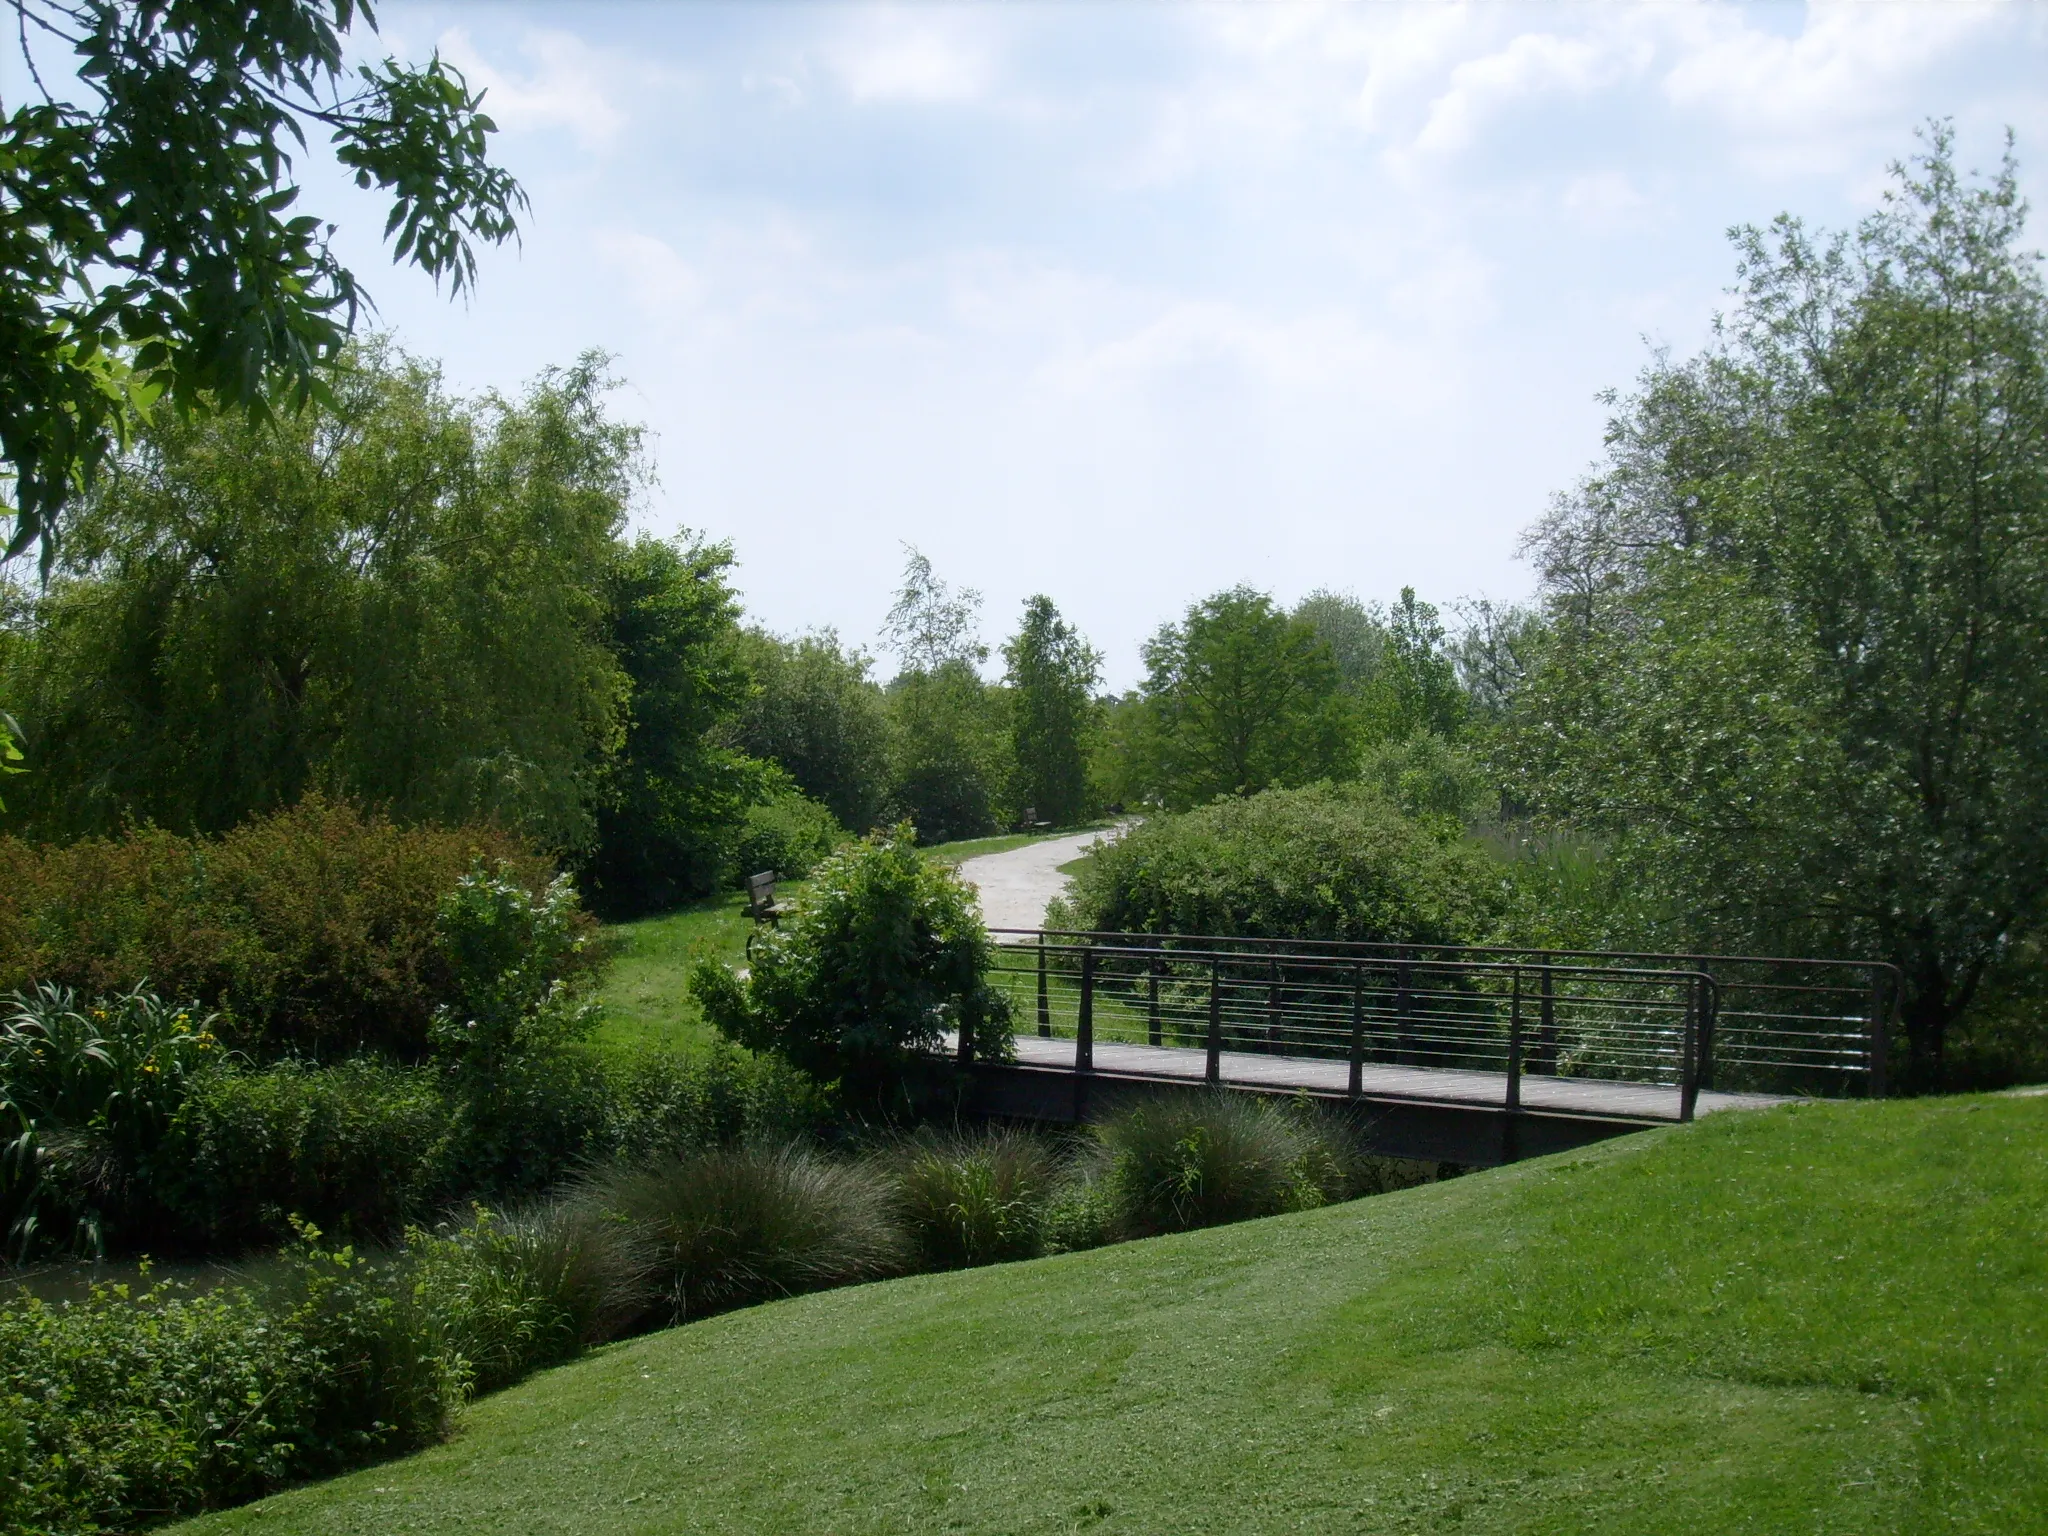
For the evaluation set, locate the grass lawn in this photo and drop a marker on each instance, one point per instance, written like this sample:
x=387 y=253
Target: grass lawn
x=1820 y=1319
x=646 y=993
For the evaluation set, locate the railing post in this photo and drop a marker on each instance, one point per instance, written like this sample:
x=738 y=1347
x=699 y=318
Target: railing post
x=1710 y=1008
x=1404 y=1008
x=1272 y=1006
x=1152 y=1001
x=1215 y=1068
x=1514 y=1100
x=1878 y=1042
x=1357 y=1030
x=1546 y=1024
x=1044 y=1008
x=1084 y=1029
x=1688 y=1057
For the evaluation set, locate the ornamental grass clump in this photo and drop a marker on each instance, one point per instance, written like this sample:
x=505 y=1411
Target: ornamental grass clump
x=723 y=1228
x=973 y=1198
x=1179 y=1164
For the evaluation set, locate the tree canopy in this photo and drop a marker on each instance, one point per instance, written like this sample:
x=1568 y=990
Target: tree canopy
x=1052 y=673
x=151 y=246
x=1795 y=672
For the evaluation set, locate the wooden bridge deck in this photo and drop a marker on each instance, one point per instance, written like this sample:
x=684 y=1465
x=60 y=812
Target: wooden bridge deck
x=1645 y=1102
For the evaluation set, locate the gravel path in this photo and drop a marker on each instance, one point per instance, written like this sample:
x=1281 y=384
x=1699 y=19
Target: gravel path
x=1014 y=887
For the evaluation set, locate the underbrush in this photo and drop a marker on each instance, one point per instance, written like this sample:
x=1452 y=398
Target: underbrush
x=126 y=1408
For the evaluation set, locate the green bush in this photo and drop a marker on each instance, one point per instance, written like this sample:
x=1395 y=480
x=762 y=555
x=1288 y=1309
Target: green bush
x=883 y=954
x=136 y=1408
x=973 y=1198
x=1325 y=862
x=723 y=1228
x=789 y=834
x=359 y=1148
x=662 y=1102
x=1189 y=1162
x=92 y=1088
x=314 y=931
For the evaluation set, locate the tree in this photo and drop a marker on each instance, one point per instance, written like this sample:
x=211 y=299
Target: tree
x=676 y=794
x=815 y=713
x=1795 y=674
x=148 y=247
x=947 y=751
x=930 y=624
x=946 y=744
x=1239 y=697
x=1356 y=633
x=396 y=597
x=1052 y=676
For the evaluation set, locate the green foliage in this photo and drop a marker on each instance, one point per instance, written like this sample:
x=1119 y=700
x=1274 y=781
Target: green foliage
x=883 y=954
x=723 y=1228
x=1794 y=682
x=394 y=597
x=675 y=794
x=947 y=753
x=145 y=238
x=1238 y=697
x=664 y=1103
x=1325 y=862
x=1052 y=673
x=789 y=833
x=1189 y=1162
x=10 y=749
x=816 y=715
x=313 y=931
x=509 y=953
x=1429 y=778
x=94 y=1087
x=135 y=1407
x=359 y=1148
x=968 y=1198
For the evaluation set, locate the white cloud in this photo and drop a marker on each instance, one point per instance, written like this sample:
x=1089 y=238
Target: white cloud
x=568 y=85
x=923 y=59
x=659 y=281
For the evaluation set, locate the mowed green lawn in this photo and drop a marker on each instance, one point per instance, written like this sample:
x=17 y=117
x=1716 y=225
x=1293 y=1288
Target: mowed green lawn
x=1821 y=1319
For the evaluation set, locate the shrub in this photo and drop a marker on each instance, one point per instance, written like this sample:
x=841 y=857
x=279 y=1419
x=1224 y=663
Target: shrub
x=313 y=931
x=1188 y=1162
x=723 y=1228
x=790 y=834
x=135 y=1408
x=92 y=1087
x=973 y=1198
x=1318 y=863
x=661 y=1102
x=511 y=1295
x=359 y=1148
x=883 y=954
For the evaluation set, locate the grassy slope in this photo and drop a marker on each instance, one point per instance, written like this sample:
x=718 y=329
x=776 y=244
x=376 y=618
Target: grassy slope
x=1819 y=1319
x=646 y=992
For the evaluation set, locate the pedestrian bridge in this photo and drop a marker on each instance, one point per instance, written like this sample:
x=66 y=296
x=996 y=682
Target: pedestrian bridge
x=1449 y=1053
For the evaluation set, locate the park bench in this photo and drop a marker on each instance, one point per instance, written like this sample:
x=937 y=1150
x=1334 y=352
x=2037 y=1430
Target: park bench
x=762 y=906
x=1031 y=823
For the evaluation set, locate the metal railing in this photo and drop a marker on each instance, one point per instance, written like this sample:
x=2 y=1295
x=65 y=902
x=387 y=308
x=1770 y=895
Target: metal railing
x=1682 y=1022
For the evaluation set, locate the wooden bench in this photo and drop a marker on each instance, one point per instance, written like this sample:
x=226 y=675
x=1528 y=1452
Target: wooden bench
x=762 y=906
x=1031 y=823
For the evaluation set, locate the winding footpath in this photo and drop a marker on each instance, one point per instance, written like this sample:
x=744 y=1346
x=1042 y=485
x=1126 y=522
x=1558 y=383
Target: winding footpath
x=1016 y=886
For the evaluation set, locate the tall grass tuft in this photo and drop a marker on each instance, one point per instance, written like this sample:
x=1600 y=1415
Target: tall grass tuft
x=973 y=1197
x=1199 y=1162
x=723 y=1228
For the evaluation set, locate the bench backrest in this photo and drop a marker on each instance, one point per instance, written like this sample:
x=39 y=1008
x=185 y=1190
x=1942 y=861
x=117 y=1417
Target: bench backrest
x=761 y=891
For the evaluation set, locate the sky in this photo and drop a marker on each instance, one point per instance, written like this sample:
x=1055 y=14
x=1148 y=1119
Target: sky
x=1128 y=302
